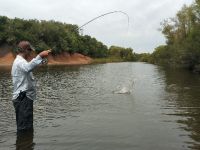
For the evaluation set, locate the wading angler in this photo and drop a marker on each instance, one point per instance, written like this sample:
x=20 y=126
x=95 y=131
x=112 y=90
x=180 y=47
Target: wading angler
x=24 y=92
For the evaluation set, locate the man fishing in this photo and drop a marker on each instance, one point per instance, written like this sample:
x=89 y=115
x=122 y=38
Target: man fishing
x=24 y=92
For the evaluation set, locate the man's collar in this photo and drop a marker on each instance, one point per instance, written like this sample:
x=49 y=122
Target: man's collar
x=20 y=57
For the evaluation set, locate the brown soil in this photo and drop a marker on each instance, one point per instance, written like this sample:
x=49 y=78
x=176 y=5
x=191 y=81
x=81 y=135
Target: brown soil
x=6 y=59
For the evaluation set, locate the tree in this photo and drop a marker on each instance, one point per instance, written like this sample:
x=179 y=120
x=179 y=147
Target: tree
x=182 y=38
x=61 y=37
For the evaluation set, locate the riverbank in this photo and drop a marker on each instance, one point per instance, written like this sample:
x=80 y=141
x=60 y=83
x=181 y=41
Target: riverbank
x=7 y=58
x=107 y=60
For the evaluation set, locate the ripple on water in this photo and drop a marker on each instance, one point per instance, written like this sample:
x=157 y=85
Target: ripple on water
x=77 y=104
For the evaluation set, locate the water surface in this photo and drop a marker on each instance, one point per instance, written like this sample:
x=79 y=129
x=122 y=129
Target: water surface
x=79 y=107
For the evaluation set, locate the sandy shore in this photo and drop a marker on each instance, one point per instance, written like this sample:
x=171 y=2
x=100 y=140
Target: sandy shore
x=6 y=59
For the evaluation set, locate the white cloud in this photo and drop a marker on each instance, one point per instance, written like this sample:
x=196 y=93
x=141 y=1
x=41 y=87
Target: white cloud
x=145 y=17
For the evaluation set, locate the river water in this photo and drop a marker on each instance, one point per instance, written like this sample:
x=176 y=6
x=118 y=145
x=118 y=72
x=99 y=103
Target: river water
x=119 y=106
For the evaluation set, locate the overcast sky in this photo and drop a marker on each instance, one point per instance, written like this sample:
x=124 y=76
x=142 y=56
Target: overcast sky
x=145 y=16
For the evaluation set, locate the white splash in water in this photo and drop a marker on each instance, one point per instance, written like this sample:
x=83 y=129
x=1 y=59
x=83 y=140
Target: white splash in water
x=123 y=90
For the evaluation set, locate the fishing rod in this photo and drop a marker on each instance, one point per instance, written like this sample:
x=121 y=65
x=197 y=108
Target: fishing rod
x=81 y=27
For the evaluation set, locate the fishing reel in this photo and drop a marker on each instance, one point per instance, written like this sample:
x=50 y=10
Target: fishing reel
x=44 y=61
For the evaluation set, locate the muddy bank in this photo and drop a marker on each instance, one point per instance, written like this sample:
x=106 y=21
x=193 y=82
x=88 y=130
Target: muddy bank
x=7 y=58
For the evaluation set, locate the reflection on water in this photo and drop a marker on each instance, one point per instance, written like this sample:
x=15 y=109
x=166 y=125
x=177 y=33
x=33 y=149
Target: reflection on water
x=24 y=140
x=183 y=98
x=107 y=106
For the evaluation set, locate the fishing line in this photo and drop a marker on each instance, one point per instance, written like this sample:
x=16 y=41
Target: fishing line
x=124 y=90
x=45 y=63
x=81 y=27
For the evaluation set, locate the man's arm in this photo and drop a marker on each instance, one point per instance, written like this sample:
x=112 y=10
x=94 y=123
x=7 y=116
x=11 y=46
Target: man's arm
x=29 y=66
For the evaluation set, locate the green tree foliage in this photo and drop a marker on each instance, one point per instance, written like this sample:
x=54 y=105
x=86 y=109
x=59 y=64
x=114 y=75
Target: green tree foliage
x=182 y=39
x=143 y=57
x=125 y=54
x=162 y=55
x=61 y=37
x=92 y=47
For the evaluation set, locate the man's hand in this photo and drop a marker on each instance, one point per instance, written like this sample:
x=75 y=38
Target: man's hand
x=45 y=53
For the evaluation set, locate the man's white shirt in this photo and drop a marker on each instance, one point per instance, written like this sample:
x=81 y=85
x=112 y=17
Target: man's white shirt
x=22 y=76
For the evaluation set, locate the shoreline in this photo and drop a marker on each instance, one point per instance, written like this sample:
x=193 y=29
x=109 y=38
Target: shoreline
x=53 y=60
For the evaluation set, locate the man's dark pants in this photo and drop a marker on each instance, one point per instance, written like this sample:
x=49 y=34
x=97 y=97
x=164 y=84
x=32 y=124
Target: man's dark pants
x=24 y=112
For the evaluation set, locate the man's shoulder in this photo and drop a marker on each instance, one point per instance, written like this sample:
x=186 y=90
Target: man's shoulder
x=18 y=61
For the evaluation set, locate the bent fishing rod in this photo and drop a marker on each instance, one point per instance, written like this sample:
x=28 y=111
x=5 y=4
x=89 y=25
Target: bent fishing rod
x=104 y=15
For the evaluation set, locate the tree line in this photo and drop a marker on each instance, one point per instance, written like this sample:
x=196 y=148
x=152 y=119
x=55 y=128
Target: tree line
x=182 y=33
x=58 y=36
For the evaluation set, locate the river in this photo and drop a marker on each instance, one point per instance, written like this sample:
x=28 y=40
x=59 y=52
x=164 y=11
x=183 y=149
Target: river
x=114 y=106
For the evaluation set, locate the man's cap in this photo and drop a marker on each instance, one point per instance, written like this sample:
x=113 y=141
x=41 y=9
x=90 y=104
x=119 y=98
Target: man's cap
x=25 y=45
